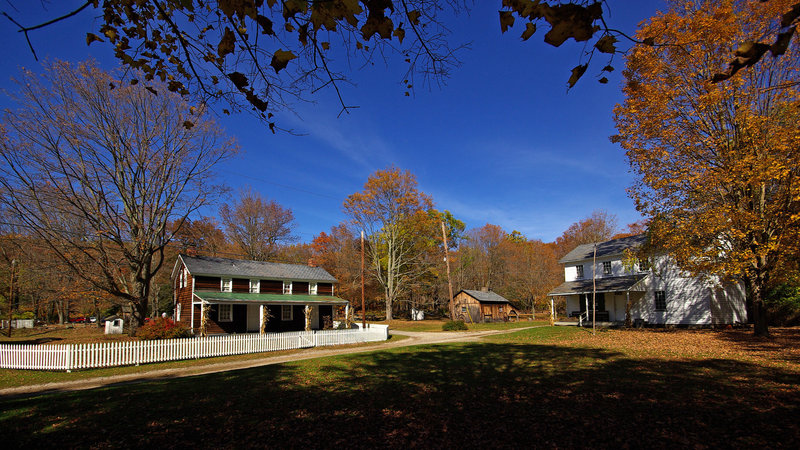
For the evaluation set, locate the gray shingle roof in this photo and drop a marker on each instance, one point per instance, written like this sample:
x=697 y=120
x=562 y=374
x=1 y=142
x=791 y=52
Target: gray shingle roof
x=207 y=265
x=607 y=248
x=486 y=296
x=612 y=284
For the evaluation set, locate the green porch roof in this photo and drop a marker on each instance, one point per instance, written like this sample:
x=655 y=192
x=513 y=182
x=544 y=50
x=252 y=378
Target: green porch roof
x=286 y=299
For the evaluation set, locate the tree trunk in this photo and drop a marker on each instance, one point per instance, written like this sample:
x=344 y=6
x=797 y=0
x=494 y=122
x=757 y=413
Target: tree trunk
x=388 y=307
x=760 y=323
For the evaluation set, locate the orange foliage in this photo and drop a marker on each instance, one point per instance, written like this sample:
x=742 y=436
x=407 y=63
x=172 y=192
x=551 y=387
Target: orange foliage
x=716 y=164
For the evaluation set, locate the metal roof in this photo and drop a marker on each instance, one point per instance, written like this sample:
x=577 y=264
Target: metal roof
x=607 y=248
x=611 y=284
x=207 y=265
x=485 y=296
x=287 y=299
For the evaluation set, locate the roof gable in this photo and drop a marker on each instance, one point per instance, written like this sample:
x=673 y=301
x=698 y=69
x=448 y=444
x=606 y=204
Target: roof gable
x=604 y=249
x=208 y=265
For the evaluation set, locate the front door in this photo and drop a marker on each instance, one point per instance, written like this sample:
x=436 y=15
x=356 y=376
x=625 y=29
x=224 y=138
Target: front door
x=600 y=298
x=315 y=317
x=253 y=318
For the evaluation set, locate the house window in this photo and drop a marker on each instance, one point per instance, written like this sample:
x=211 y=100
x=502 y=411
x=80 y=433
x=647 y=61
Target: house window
x=661 y=301
x=182 y=278
x=254 y=285
x=227 y=285
x=178 y=312
x=312 y=288
x=463 y=309
x=225 y=313
x=606 y=267
x=500 y=309
x=579 y=271
x=287 y=287
x=286 y=312
x=644 y=265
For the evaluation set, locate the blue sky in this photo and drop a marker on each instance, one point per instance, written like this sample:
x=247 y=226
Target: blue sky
x=502 y=142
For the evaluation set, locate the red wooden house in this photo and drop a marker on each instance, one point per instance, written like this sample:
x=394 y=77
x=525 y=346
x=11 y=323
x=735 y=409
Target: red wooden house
x=238 y=293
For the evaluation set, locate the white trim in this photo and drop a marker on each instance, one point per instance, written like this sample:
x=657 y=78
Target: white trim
x=222 y=284
x=312 y=288
x=285 y=286
x=291 y=313
x=228 y=317
x=257 y=286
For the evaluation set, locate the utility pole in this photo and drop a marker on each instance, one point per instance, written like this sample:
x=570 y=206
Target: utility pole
x=363 y=303
x=594 y=290
x=447 y=262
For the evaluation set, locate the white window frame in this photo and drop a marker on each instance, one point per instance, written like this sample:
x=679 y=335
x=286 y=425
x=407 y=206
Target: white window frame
x=287 y=287
x=284 y=308
x=228 y=317
x=178 y=312
x=607 y=265
x=579 y=272
x=255 y=286
x=226 y=284
x=312 y=288
x=182 y=278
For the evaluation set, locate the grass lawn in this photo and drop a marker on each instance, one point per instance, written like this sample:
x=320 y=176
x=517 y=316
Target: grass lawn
x=544 y=387
x=61 y=334
x=436 y=325
x=14 y=378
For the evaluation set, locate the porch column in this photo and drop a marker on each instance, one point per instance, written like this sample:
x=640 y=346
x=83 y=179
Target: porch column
x=552 y=312
x=203 y=319
x=347 y=315
x=262 y=316
x=628 y=309
x=308 y=318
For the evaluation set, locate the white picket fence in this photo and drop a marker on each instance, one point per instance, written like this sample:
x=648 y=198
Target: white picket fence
x=109 y=354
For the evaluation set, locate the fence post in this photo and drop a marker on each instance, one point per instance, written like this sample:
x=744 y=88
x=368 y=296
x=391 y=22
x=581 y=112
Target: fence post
x=69 y=357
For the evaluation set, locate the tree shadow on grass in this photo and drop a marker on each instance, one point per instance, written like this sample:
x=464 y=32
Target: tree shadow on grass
x=461 y=395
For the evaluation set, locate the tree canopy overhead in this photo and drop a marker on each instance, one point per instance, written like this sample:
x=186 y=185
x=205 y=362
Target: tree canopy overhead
x=264 y=55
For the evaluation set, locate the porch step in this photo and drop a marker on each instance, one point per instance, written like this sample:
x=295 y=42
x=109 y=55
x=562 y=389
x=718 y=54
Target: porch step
x=566 y=324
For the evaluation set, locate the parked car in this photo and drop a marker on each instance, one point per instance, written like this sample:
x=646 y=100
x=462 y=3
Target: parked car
x=80 y=319
x=93 y=319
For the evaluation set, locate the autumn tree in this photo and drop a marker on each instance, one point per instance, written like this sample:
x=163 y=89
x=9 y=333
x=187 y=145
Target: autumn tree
x=534 y=271
x=257 y=226
x=487 y=248
x=395 y=217
x=339 y=252
x=716 y=164
x=598 y=227
x=202 y=235
x=97 y=174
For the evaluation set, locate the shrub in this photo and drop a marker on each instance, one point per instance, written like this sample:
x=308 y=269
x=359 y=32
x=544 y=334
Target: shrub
x=454 y=325
x=163 y=328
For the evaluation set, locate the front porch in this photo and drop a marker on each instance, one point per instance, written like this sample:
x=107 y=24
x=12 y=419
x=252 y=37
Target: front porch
x=604 y=301
x=229 y=313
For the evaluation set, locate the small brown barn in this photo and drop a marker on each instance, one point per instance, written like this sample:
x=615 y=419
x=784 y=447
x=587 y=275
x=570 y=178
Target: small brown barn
x=483 y=306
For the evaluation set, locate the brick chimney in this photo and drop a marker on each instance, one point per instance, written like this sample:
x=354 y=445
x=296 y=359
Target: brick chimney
x=485 y=289
x=311 y=263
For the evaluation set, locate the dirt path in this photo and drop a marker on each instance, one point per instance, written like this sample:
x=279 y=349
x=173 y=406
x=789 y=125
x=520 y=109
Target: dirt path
x=415 y=338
